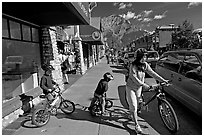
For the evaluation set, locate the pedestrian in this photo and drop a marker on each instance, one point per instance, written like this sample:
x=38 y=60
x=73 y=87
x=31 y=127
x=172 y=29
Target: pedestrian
x=101 y=90
x=107 y=57
x=66 y=67
x=135 y=83
x=46 y=82
x=112 y=58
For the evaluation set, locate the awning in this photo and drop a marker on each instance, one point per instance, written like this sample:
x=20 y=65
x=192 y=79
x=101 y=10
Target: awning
x=91 y=33
x=49 y=13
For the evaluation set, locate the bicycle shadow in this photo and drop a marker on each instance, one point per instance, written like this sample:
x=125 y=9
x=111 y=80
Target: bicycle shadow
x=117 y=117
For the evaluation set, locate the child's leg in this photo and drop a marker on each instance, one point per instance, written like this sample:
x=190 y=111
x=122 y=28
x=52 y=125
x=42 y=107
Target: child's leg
x=103 y=104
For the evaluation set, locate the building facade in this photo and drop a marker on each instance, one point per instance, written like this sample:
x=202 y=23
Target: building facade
x=32 y=37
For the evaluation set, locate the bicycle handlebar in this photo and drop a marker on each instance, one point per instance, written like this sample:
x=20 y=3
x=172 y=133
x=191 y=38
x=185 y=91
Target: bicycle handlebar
x=153 y=87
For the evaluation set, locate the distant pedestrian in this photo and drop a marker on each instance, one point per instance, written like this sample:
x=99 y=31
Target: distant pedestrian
x=107 y=57
x=66 y=67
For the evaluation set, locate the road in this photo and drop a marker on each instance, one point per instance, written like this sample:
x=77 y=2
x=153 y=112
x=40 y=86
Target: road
x=116 y=123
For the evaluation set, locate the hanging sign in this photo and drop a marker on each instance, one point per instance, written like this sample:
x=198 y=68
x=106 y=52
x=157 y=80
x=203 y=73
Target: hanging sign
x=96 y=35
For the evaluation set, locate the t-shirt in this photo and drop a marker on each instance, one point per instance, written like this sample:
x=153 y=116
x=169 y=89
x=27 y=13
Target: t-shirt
x=46 y=83
x=136 y=77
x=102 y=87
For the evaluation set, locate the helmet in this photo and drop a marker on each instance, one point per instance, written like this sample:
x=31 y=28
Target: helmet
x=48 y=67
x=108 y=76
x=140 y=52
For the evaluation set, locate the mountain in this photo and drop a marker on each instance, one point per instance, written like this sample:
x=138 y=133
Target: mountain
x=118 y=31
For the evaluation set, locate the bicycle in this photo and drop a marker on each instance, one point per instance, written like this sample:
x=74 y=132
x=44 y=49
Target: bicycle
x=165 y=109
x=96 y=109
x=41 y=115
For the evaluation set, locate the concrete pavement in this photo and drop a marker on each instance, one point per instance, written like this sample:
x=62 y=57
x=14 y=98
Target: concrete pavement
x=81 y=122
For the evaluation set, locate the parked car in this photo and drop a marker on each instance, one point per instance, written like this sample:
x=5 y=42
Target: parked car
x=128 y=58
x=184 y=68
x=152 y=58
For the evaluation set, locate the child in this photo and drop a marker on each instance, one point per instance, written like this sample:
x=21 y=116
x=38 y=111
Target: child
x=101 y=90
x=47 y=84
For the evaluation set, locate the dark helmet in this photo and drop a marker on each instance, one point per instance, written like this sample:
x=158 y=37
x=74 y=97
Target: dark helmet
x=140 y=52
x=48 y=67
x=108 y=76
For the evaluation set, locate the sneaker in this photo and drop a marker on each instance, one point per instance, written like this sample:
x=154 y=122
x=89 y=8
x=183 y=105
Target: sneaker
x=138 y=129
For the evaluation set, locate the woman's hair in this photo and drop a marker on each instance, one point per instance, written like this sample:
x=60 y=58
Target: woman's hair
x=140 y=53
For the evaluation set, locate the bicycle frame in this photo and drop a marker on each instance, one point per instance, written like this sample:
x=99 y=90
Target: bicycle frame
x=156 y=95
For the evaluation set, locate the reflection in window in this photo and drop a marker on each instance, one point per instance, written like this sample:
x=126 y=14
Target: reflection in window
x=35 y=35
x=26 y=33
x=193 y=68
x=15 y=30
x=170 y=62
x=5 y=28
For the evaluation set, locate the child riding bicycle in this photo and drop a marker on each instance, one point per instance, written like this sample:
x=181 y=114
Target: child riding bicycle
x=47 y=84
x=101 y=91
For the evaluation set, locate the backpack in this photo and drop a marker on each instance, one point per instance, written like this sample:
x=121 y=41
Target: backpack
x=26 y=106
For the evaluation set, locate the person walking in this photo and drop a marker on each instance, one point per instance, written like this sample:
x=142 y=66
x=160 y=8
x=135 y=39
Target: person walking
x=107 y=57
x=65 y=69
x=135 y=83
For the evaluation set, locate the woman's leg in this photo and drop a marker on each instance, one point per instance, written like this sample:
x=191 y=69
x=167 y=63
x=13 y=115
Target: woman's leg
x=132 y=102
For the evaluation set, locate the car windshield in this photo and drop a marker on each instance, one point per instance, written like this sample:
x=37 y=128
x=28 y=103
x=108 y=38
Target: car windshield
x=152 y=55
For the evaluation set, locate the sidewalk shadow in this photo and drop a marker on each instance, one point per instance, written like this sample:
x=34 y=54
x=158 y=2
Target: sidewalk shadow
x=117 y=117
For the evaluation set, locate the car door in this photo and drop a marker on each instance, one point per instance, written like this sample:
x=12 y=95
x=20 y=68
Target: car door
x=167 y=67
x=190 y=86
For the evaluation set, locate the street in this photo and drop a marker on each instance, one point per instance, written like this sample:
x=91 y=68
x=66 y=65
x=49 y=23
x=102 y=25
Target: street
x=116 y=123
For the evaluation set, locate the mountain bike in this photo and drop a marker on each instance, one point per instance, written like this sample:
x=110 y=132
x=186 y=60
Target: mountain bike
x=96 y=109
x=41 y=115
x=165 y=109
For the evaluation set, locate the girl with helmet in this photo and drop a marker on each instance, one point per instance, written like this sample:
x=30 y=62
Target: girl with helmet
x=101 y=90
x=135 y=83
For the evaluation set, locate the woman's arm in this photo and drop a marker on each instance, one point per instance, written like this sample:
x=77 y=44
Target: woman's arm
x=134 y=77
x=152 y=73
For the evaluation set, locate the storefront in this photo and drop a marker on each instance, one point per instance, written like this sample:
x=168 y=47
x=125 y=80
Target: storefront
x=92 y=40
x=31 y=32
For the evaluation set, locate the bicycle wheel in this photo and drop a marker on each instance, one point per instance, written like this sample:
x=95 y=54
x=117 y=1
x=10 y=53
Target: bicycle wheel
x=67 y=106
x=108 y=104
x=40 y=116
x=168 y=115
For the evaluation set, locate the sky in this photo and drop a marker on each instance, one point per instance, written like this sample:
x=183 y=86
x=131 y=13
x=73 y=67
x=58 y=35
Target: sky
x=149 y=15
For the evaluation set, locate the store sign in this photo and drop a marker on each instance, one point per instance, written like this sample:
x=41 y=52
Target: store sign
x=96 y=35
x=83 y=9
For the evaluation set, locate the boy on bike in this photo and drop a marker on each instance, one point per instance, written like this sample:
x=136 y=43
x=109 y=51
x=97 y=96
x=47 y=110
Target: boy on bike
x=47 y=84
x=101 y=90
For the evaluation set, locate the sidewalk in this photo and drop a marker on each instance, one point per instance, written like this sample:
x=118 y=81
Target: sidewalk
x=81 y=122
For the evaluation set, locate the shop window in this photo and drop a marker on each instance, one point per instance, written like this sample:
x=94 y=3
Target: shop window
x=26 y=33
x=35 y=35
x=20 y=62
x=15 y=30
x=5 y=28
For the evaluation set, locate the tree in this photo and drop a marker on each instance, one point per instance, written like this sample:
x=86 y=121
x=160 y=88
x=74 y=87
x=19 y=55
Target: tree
x=184 y=37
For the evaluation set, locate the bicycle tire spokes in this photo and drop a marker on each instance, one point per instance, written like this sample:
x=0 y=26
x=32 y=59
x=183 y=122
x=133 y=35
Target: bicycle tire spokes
x=168 y=116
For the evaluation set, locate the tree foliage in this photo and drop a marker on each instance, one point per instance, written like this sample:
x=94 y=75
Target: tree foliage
x=184 y=37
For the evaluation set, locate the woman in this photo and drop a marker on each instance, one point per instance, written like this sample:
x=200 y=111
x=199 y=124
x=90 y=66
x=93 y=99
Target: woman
x=135 y=83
